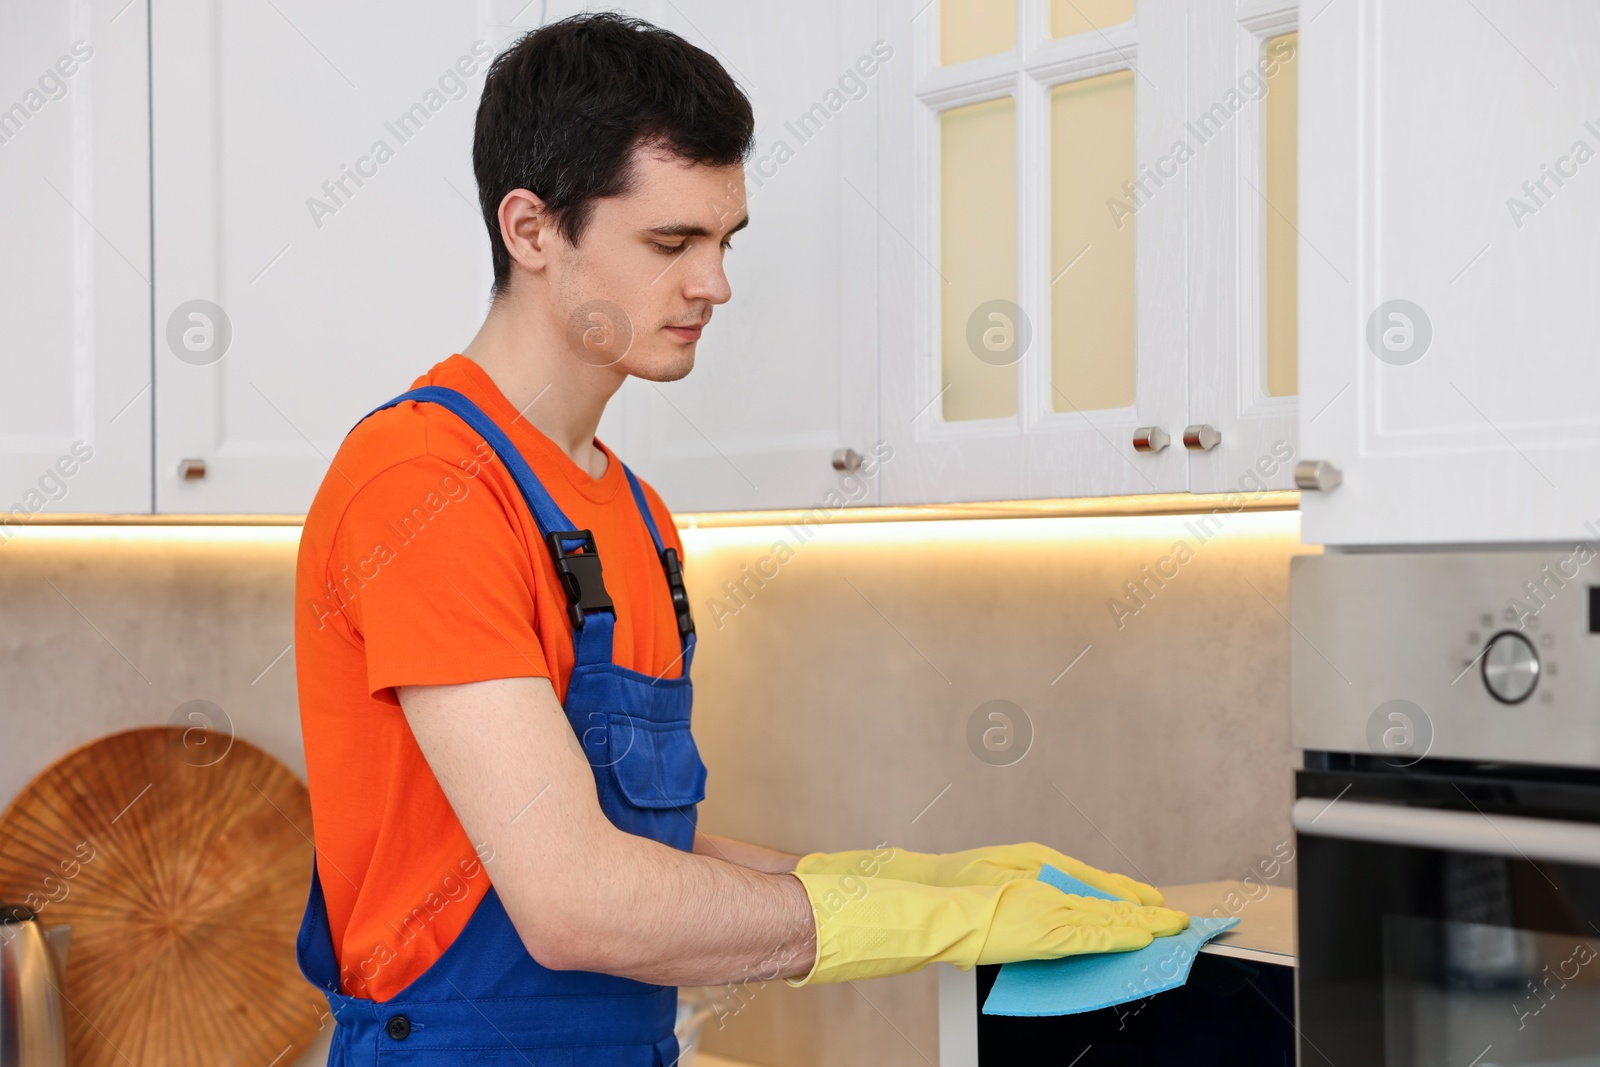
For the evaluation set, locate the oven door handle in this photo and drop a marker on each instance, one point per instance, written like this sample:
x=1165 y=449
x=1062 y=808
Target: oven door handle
x=1454 y=831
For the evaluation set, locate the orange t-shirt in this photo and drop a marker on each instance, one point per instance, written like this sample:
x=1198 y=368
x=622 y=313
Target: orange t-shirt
x=420 y=565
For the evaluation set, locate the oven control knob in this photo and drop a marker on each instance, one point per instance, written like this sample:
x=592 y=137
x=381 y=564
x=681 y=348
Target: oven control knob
x=1510 y=667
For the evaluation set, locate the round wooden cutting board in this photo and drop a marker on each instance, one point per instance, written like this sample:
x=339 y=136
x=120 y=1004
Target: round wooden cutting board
x=181 y=859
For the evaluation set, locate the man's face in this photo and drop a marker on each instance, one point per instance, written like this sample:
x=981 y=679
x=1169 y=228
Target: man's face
x=639 y=287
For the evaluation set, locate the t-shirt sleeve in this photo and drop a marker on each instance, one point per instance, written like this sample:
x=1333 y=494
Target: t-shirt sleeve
x=443 y=586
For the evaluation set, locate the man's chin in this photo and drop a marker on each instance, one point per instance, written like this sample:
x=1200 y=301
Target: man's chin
x=664 y=367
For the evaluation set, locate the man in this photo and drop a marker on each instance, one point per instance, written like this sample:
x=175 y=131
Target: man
x=494 y=645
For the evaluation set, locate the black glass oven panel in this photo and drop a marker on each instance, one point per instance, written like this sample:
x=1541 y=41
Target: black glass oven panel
x=1414 y=957
x=1230 y=1013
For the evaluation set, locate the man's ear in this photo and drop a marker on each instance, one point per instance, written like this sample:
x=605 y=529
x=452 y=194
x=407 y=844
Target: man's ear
x=525 y=228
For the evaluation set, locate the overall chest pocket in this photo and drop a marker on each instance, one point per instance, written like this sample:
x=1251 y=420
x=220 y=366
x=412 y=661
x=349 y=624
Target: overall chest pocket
x=655 y=765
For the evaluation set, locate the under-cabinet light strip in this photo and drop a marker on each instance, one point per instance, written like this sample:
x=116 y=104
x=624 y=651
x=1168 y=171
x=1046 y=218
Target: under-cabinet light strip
x=924 y=519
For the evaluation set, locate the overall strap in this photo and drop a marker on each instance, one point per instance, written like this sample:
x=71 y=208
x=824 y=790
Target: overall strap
x=669 y=563
x=577 y=562
x=644 y=508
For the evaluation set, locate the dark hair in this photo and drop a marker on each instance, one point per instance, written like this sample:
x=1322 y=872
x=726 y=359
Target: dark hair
x=564 y=108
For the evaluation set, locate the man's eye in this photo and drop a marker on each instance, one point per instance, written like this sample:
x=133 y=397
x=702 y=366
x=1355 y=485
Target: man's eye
x=666 y=250
x=727 y=246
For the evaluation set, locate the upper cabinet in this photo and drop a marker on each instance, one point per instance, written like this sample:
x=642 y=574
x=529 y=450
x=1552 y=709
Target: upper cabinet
x=1452 y=202
x=782 y=404
x=317 y=235
x=75 y=260
x=1085 y=248
x=318 y=244
x=1238 y=144
x=1033 y=312
x=999 y=249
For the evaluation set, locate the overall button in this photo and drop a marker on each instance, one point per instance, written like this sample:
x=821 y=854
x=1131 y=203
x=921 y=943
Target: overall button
x=398 y=1027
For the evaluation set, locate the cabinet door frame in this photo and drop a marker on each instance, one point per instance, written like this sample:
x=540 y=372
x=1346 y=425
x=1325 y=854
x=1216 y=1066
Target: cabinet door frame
x=699 y=466
x=1227 y=255
x=187 y=203
x=101 y=192
x=277 y=471
x=1463 y=443
x=1039 y=452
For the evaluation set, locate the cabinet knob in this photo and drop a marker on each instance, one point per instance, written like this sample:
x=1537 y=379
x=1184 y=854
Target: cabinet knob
x=847 y=459
x=1150 y=439
x=1201 y=438
x=191 y=469
x=1317 y=474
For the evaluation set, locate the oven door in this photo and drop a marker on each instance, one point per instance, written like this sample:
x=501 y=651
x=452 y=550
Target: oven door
x=1443 y=925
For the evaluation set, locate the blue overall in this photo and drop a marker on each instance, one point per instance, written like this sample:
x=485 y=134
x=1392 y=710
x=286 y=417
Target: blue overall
x=486 y=1000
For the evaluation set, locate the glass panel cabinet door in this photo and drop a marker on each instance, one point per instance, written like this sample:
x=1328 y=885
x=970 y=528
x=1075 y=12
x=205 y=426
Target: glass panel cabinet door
x=1029 y=325
x=1239 y=145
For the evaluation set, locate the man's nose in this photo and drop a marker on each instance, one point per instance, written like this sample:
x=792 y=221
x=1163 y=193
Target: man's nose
x=706 y=280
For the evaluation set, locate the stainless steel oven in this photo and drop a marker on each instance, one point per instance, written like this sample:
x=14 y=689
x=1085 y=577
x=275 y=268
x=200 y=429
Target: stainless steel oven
x=1448 y=812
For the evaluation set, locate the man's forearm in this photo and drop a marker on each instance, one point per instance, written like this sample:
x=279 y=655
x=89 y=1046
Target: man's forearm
x=655 y=914
x=743 y=853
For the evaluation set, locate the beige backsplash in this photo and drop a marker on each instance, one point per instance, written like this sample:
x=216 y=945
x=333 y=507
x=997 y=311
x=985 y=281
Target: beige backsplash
x=833 y=710
x=833 y=701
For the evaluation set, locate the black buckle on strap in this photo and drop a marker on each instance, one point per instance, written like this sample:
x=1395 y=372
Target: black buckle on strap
x=680 y=596
x=580 y=574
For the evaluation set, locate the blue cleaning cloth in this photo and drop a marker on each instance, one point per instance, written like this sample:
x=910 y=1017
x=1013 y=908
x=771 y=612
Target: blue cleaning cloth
x=1086 y=983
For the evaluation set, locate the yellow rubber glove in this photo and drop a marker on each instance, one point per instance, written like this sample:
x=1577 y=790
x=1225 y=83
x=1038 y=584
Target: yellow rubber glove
x=871 y=927
x=994 y=865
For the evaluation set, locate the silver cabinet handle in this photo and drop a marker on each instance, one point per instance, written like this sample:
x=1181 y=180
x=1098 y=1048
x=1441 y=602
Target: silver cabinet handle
x=1317 y=474
x=1150 y=439
x=846 y=459
x=1201 y=438
x=191 y=469
x=1456 y=831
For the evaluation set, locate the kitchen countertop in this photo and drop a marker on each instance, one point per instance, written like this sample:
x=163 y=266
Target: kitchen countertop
x=1265 y=932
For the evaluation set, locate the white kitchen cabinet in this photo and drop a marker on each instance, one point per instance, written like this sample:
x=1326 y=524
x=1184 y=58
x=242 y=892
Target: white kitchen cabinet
x=786 y=373
x=1036 y=446
x=1194 y=350
x=317 y=235
x=1243 y=247
x=74 y=260
x=317 y=243
x=336 y=297
x=1452 y=195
